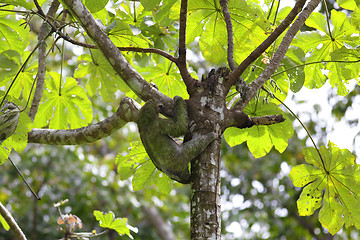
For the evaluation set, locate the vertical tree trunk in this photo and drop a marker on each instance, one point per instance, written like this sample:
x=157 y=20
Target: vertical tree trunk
x=206 y=109
x=205 y=198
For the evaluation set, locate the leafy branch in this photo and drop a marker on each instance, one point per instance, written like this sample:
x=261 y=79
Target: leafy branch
x=280 y=53
x=235 y=75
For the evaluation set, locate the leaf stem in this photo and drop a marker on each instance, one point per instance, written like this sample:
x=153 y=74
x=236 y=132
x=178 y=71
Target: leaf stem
x=23 y=178
x=316 y=62
x=328 y=21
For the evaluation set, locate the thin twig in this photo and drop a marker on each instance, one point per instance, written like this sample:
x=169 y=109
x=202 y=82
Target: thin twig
x=39 y=8
x=23 y=178
x=316 y=62
x=149 y=50
x=230 y=35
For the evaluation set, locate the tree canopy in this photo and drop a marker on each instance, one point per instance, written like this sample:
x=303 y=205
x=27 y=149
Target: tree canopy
x=76 y=73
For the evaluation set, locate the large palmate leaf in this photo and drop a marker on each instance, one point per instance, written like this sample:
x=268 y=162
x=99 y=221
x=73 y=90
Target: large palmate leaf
x=66 y=105
x=123 y=36
x=137 y=164
x=100 y=76
x=260 y=139
x=248 y=23
x=331 y=182
x=12 y=35
x=108 y=220
x=320 y=44
x=167 y=78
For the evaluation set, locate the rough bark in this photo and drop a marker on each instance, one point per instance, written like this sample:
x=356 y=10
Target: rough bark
x=127 y=112
x=206 y=110
x=44 y=30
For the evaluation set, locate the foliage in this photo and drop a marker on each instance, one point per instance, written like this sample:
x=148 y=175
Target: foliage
x=108 y=220
x=332 y=183
x=326 y=51
x=136 y=163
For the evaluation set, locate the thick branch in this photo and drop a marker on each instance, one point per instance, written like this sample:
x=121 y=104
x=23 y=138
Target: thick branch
x=280 y=53
x=230 y=34
x=12 y=223
x=181 y=61
x=42 y=64
x=127 y=111
x=131 y=77
x=239 y=119
x=235 y=75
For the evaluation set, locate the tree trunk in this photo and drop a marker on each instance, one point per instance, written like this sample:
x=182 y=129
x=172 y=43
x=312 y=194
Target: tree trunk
x=205 y=198
x=206 y=109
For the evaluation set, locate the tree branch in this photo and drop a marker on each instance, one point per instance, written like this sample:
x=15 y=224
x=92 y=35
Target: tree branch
x=42 y=64
x=130 y=49
x=280 y=53
x=150 y=50
x=131 y=77
x=181 y=61
x=127 y=112
x=239 y=119
x=229 y=28
x=12 y=223
x=235 y=75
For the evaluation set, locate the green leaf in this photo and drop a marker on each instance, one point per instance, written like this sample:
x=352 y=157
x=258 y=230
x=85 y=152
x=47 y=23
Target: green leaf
x=260 y=139
x=65 y=106
x=137 y=164
x=149 y=5
x=248 y=23
x=18 y=140
x=12 y=35
x=347 y=4
x=145 y=176
x=125 y=35
x=101 y=76
x=9 y=64
x=320 y=44
x=108 y=220
x=4 y=223
x=348 y=62
x=332 y=183
x=355 y=18
x=95 y=5
x=167 y=13
x=127 y=164
x=295 y=57
x=167 y=78
x=22 y=3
